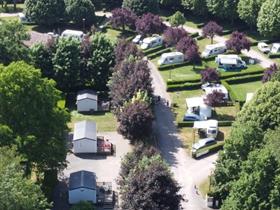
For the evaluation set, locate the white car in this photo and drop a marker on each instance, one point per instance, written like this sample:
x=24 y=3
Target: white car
x=203 y=143
x=191 y=117
x=137 y=39
x=263 y=47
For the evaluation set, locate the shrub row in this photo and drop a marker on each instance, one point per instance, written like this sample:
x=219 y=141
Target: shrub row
x=245 y=79
x=189 y=124
x=176 y=82
x=200 y=25
x=172 y=66
x=193 y=35
x=156 y=54
x=199 y=38
x=153 y=50
x=231 y=92
x=185 y=86
x=275 y=55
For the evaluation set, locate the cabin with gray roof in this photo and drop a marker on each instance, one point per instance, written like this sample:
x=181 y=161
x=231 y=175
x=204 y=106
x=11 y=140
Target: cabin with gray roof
x=87 y=101
x=82 y=187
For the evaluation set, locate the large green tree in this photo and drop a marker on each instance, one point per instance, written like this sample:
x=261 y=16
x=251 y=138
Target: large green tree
x=77 y=10
x=28 y=106
x=140 y=7
x=17 y=192
x=248 y=11
x=269 y=18
x=46 y=12
x=198 y=7
x=67 y=62
x=12 y=33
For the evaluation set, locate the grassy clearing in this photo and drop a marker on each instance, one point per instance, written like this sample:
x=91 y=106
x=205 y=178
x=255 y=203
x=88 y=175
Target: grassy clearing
x=242 y=89
x=105 y=121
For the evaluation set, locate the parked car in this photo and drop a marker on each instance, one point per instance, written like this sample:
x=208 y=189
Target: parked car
x=214 y=49
x=191 y=117
x=200 y=148
x=275 y=48
x=171 y=58
x=263 y=47
x=137 y=39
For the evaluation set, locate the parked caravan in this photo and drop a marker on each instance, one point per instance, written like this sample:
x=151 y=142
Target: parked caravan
x=230 y=62
x=73 y=33
x=263 y=47
x=214 y=49
x=201 y=147
x=171 y=58
x=275 y=48
x=197 y=106
x=209 y=128
x=150 y=42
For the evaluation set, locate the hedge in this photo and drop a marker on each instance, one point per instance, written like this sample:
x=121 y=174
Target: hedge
x=212 y=148
x=200 y=25
x=159 y=53
x=153 y=50
x=172 y=66
x=231 y=93
x=196 y=34
x=199 y=38
x=189 y=124
x=275 y=55
x=175 y=82
x=210 y=58
x=245 y=79
x=185 y=86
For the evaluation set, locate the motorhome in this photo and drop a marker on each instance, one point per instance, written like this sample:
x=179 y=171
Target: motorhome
x=263 y=47
x=73 y=33
x=197 y=106
x=150 y=42
x=275 y=48
x=171 y=58
x=209 y=88
x=230 y=62
x=208 y=128
x=214 y=49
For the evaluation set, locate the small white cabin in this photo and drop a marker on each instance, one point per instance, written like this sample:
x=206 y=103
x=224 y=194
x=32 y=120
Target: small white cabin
x=150 y=42
x=87 y=101
x=275 y=48
x=230 y=62
x=82 y=187
x=171 y=58
x=214 y=49
x=197 y=106
x=85 y=138
x=73 y=33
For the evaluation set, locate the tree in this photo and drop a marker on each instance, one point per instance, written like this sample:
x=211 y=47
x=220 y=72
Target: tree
x=66 y=61
x=189 y=48
x=198 y=7
x=270 y=72
x=177 y=19
x=209 y=75
x=100 y=64
x=248 y=11
x=149 y=24
x=172 y=36
x=135 y=121
x=122 y=17
x=46 y=12
x=170 y=4
x=28 y=106
x=224 y=9
x=216 y=98
x=12 y=33
x=6 y=136
x=269 y=19
x=140 y=7
x=192 y=54
x=77 y=10
x=17 y=192
x=151 y=187
x=211 y=29
x=83 y=205
x=237 y=42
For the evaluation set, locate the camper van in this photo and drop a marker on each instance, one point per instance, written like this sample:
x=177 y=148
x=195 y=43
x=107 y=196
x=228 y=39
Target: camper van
x=230 y=62
x=171 y=58
x=214 y=49
x=73 y=33
x=275 y=48
x=150 y=42
x=208 y=128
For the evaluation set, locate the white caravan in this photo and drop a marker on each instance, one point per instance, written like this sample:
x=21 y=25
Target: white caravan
x=150 y=42
x=230 y=62
x=210 y=88
x=73 y=33
x=214 y=49
x=197 y=106
x=171 y=58
x=275 y=48
x=209 y=128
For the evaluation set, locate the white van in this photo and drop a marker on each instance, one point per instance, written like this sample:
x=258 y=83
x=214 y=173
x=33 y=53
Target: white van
x=171 y=58
x=150 y=42
x=230 y=62
x=73 y=33
x=275 y=48
x=214 y=49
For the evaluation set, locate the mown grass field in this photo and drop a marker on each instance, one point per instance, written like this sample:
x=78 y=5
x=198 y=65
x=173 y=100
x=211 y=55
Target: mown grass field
x=241 y=90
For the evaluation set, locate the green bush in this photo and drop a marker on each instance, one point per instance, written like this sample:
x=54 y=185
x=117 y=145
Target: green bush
x=199 y=38
x=200 y=25
x=187 y=124
x=193 y=35
x=225 y=123
x=159 y=53
x=172 y=66
x=210 y=58
x=175 y=82
x=185 y=86
x=231 y=93
x=275 y=55
x=245 y=79
x=153 y=50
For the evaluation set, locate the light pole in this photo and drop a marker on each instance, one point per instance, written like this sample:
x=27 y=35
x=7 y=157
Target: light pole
x=84 y=24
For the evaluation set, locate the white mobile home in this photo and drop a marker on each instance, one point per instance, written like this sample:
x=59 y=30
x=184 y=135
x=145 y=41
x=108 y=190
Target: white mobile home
x=218 y=88
x=197 y=106
x=85 y=138
x=275 y=48
x=82 y=187
x=214 y=49
x=73 y=33
x=230 y=62
x=150 y=42
x=87 y=101
x=171 y=58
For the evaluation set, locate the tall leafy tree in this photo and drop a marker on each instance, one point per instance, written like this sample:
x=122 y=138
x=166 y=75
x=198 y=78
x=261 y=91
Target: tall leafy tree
x=216 y=98
x=172 y=35
x=150 y=24
x=140 y=7
x=177 y=19
x=122 y=17
x=270 y=72
x=188 y=46
x=47 y=12
x=211 y=29
x=170 y=4
x=198 y=7
x=209 y=75
x=237 y=42
x=77 y=10
x=269 y=18
x=66 y=61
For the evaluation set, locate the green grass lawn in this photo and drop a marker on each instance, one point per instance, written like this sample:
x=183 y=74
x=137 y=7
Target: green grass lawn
x=9 y=18
x=242 y=89
x=105 y=121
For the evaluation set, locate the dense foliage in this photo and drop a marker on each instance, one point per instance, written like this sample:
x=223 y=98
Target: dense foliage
x=198 y=7
x=216 y=98
x=237 y=42
x=209 y=75
x=270 y=72
x=189 y=48
x=122 y=17
x=149 y=24
x=177 y=19
x=172 y=35
x=211 y=29
x=140 y=7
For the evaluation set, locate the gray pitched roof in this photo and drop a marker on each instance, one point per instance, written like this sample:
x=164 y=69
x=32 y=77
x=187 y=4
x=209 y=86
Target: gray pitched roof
x=84 y=129
x=82 y=179
x=87 y=94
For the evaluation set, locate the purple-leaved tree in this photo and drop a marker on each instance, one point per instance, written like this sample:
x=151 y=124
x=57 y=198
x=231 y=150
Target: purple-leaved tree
x=149 y=24
x=211 y=29
x=187 y=45
x=270 y=72
x=122 y=17
x=237 y=42
x=209 y=75
x=216 y=98
x=173 y=35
